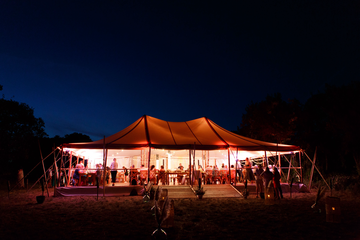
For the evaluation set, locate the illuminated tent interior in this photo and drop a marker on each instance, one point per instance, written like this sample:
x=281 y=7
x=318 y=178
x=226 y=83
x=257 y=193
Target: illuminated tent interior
x=151 y=141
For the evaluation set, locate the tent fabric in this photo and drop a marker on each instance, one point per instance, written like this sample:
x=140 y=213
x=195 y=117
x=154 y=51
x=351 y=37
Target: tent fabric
x=201 y=134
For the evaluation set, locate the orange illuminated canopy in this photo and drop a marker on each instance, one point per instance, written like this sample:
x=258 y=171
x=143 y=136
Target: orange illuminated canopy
x=201 y=134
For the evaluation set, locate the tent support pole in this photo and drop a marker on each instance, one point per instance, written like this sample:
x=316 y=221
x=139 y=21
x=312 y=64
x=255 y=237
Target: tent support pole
x=312 y=170
x=229 y=164
x=266 y=160
x=104 y=167
x=148 y=178
x=236 y=165
x=288 y=176
x=56 y=171
x=61 y=163
x=279 y=159
x=318 y=171
x=190 y=178
x=70 y=164
x=301 y=173
x=42 y=161
x=291 y=164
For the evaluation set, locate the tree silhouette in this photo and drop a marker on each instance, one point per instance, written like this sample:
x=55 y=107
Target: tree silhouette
x=19 y=129
x=271 y=120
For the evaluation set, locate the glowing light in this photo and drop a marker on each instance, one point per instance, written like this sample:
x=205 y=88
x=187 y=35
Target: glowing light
x=333 y=208
x=268 y=195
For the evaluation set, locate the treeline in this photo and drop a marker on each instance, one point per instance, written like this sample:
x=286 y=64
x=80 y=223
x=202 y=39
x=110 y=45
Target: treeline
x=328 y=121
x=22 y=136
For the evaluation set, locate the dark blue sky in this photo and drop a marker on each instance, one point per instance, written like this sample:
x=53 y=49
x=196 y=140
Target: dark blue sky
x=95 y=67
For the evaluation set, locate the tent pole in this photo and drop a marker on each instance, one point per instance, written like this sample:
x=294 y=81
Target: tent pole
x=236 y=164
x=104 y=167
x=266 y=160
x=149 y=165
x=301 y=173
x=229 y=164
x=288 y=176
x=42 y=161
x=70 y=164
x=61 y=163
x=279 y=159
x=56 y=171
x=190 y=167
x=318 y=171
x=312 y=169
x=291 y=164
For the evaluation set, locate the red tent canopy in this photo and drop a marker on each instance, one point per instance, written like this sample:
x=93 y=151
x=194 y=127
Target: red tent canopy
x=201 y=134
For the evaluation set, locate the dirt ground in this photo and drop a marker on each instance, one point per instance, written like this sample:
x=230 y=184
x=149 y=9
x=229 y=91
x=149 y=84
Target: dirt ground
x=131 y=217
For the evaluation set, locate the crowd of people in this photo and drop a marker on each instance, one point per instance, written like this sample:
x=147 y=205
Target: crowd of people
x=211 y=174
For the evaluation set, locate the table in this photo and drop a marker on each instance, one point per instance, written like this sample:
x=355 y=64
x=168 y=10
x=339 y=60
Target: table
x=171 y=177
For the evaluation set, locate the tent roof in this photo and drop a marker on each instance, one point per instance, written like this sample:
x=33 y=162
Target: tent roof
x=202 y=132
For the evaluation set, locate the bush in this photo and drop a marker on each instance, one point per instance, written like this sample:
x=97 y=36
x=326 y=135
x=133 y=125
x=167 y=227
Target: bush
x=347 y=183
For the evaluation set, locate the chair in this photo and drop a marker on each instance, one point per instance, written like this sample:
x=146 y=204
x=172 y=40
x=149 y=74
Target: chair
x=233 y=174
x=208 y=176
x=91 y=179
x=162 y=177
x=133 y=176
x=121 y=177
x=179 y=177
x=83 y=180
x=143 y=176
x=224 y=176
x=153 y=177
x=216 y=176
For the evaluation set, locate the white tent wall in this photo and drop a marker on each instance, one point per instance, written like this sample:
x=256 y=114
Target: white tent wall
x=169 y=158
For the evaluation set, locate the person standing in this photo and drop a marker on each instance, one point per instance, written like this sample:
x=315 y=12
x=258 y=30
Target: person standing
x=238 y=170
x=259 y=181
x=249 y=175
x=98 y=174
x=267 y=177
x=125 y=174
x=277 y=185
x=113 y=168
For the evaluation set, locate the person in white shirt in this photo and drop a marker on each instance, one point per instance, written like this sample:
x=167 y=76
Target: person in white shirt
x=113 y=168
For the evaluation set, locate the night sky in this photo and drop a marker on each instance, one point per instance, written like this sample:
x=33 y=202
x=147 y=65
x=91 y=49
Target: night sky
x=95 y=67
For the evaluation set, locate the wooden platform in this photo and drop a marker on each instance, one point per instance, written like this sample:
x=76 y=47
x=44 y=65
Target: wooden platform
x=174 y=191
x=178 y=191
x=220 y=191
x=92 y=191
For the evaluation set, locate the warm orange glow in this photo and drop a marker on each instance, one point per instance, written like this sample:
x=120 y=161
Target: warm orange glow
x=268 y=195
x=333 y=208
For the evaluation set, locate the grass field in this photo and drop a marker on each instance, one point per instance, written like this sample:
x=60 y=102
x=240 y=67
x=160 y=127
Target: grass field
x=131 y=218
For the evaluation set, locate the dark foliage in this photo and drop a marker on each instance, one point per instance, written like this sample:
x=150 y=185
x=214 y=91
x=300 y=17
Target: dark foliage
x=22 y=135
x=272 y=120
x=328 y=121
x=19 y=130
